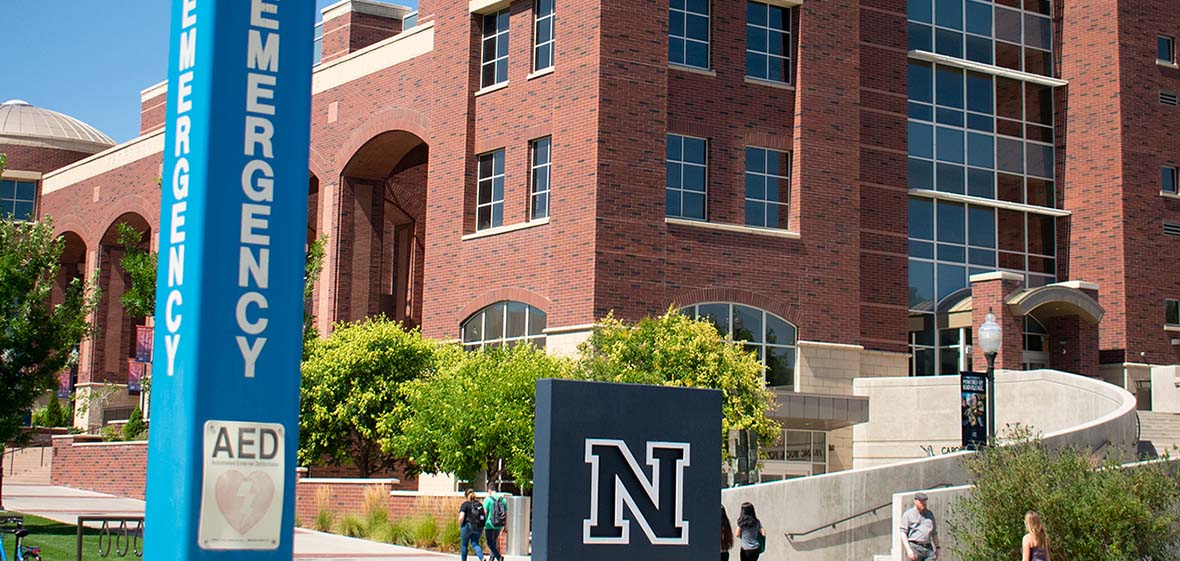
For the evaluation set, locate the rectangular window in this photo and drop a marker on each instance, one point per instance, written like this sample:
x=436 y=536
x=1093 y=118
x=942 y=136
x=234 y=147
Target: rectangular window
x=539 y=176
x=494 y=65
x=768 y=42
x=317 y=49
x=489 y=206
x=1168 y=180
x=1165 y=49
x=688 y=37
x=768 y=187
x=1173 y=312
x=544 y=17
x=16 y=199
x=995 y=33
x=687 y=163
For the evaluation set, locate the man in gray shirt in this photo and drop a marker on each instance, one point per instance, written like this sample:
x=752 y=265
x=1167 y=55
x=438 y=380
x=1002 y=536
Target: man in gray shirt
x=919 y=531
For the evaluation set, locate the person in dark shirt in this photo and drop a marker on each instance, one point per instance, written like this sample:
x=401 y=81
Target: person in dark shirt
x=471 y=522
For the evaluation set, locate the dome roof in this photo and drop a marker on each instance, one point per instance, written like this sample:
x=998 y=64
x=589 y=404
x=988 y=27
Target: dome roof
x=21 y=123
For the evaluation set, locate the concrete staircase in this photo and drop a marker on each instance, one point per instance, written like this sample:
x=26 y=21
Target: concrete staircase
x=28 y=466
x=1159 y=432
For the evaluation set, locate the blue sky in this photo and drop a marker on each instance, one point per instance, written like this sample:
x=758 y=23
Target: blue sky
x=87 y=58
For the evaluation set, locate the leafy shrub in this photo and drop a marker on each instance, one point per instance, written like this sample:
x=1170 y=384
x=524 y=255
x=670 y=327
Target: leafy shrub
x=111 y=433
x=1093 y=508
x=52 y=415
x=135 y=429
x=425 y=533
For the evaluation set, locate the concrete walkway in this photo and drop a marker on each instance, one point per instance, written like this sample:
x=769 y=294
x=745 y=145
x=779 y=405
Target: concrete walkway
x=66 y=505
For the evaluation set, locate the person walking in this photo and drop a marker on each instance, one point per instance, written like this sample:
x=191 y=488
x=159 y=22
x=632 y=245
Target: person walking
x=749 y=533
x=472 y=518
x=1035 y=546
x=726 y=535
x=919 y=531
x=496 y=508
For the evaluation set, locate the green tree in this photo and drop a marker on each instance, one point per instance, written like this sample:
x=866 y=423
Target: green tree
x=675 y=350
x=351 y=382
x=52 y=415
x=1093 y=509
x=36 y=337
x=135 y=429
x=474 y=414
x=140 y=265
x=315 y=265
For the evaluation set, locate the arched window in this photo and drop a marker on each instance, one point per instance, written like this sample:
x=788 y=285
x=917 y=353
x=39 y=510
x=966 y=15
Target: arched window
x=504 y=324
x=772 y=337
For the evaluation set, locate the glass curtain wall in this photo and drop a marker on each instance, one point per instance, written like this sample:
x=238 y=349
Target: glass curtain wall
x=981 y=160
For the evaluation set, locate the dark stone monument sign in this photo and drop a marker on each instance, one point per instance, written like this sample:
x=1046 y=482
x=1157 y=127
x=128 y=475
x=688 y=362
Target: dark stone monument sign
x=626 y=472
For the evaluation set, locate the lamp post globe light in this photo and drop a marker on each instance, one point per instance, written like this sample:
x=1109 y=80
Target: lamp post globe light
x=989 y=341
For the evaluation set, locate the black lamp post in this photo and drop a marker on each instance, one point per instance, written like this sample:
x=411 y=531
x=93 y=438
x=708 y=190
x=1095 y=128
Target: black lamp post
x=990 y=336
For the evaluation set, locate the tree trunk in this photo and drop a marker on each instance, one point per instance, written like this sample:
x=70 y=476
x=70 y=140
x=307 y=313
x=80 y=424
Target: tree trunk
x=2 y=450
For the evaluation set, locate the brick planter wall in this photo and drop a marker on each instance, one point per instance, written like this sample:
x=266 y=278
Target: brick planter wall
x=347 y=496
x=114 y=468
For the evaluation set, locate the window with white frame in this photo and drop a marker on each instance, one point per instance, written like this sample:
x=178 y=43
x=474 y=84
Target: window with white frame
x=768 y=42
x=688 y=37
x=494 y=60
x=544 y=16
x=17 y=199
x=771 y=337
x=1168 y=178
x=687 y=177
x=541 y=151
x=489 y=207
x=768 y=185
x=1172 y=312
x=504 y=324
x=1165 y=49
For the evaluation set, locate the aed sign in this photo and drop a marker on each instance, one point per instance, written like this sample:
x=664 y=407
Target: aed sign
x=626 y=472
x=233 y=224
x=242 y=502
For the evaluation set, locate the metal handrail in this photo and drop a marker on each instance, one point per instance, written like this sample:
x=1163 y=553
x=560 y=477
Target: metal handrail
x=792 y=535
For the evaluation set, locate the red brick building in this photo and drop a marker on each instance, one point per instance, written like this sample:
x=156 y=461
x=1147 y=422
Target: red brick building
x=499 y=170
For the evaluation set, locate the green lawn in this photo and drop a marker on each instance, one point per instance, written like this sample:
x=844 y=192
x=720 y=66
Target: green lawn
x=58 y=541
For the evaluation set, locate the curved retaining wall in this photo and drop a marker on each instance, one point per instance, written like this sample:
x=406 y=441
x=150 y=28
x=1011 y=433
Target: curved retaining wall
x=1096 y=415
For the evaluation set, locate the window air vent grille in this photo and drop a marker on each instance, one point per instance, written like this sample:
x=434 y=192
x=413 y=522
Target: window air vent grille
x=1172 y=228
x=1168 y=98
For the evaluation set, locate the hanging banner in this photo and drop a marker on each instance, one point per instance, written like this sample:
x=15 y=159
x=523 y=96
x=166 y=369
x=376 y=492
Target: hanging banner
x=143 y=343
x=974 y=410
x=135 y=373
x=229 y=313
x=65 y=382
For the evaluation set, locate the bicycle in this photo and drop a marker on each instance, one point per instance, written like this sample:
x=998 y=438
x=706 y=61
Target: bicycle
x=23 y=552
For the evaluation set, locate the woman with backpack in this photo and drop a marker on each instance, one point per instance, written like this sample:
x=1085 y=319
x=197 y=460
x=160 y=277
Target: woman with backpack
x=496 y=507
x=750 y=533
x=472 y=518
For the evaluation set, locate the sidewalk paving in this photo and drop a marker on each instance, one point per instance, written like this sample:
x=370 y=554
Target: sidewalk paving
x=64 y=504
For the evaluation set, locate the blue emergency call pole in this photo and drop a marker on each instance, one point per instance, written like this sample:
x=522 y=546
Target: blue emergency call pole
x=233 y=223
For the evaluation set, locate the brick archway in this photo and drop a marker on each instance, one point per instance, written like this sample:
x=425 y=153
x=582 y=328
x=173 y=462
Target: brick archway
x=690 y=296
x=390 y=120
x=502 y=295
